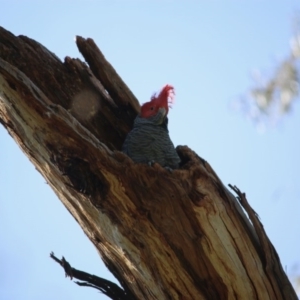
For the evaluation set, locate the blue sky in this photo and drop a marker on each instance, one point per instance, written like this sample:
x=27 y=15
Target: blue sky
x=207 y=50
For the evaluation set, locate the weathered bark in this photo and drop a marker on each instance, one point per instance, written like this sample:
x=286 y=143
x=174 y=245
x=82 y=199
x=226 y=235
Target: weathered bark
x=179 y=235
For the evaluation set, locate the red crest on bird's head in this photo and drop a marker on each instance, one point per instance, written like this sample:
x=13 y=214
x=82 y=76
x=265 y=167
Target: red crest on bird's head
x=163 y=100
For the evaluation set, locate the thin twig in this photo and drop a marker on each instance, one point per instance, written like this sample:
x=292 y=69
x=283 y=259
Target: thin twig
x=108 y=288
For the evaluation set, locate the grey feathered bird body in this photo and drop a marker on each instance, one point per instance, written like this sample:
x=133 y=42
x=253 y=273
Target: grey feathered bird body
x=149 y=142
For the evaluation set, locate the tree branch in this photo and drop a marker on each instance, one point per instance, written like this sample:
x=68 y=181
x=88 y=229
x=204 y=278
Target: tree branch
x=163 y=235
x=108 y=288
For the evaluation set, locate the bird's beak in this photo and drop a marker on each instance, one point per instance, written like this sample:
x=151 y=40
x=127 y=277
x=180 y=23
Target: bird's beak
x=163 y=111
x=162 y=115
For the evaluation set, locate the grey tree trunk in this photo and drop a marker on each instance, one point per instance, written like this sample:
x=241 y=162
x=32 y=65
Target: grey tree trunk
x=179 y=235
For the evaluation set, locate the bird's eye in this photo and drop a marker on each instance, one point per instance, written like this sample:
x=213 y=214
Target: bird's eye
x=151 y=108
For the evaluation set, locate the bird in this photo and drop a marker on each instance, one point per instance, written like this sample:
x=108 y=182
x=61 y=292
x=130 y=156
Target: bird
x=149 y=141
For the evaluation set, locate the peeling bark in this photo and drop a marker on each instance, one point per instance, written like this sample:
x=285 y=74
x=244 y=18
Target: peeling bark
x=179 y=235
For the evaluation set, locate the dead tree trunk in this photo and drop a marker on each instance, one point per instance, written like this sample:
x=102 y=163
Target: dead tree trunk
x=179 y=235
